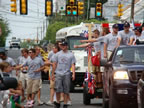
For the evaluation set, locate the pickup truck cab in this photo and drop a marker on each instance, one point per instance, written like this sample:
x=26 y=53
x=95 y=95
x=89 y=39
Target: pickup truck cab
x=121 y=75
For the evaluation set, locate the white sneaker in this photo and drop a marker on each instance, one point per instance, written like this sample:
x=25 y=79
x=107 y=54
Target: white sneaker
x=69 y=103
x=40 y=103
x=49 y=103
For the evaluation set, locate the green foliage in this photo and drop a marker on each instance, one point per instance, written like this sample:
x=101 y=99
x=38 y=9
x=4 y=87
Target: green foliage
x=5 y=32
x=53 y=28
x=27 y=44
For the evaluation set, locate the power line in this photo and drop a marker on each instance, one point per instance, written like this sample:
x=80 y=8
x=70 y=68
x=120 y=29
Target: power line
x=23 y=26
x=21 y=15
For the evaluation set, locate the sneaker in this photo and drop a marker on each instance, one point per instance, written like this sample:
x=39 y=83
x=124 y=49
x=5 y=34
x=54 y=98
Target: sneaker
x=40 y=103
x=69 y=103
x=28 y=106
x=56 y=105
x=50 y=103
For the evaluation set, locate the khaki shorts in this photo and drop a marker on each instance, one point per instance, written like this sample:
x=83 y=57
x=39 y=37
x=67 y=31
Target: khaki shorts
x=23 y=78
x=109 y=54
x=33 y=86
x=52 y=84
x=40 y=84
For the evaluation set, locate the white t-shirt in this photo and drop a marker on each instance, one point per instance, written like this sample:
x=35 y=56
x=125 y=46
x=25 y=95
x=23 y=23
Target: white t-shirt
x=125 y=38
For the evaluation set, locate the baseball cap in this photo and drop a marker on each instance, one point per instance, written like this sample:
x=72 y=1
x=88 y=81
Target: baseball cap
x=139 y=29
x=115 y=26
x=64 y=43
x=126 y=24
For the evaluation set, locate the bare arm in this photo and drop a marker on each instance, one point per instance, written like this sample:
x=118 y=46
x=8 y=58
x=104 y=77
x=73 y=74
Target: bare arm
x=73 y=72
x=53 y=70
x=105 y=50
x=131 y=41
x=118 y=41
x=12 y=91
x=82 y=46
x=47 y=62
x=40 y=69
x=92 y=40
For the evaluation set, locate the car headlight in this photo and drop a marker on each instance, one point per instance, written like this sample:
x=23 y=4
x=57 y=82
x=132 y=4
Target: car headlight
x=121 y=75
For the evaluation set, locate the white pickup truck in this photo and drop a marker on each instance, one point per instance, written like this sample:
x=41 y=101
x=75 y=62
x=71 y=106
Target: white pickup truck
x=15 y=43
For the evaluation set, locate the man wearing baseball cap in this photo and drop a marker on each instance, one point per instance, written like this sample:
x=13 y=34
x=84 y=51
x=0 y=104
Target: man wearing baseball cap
x=125 y=37
x=138 y=34
x=110 y=41
x=63 y=61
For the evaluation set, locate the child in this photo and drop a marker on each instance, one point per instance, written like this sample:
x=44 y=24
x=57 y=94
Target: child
x=15 y=96
x=5 y=68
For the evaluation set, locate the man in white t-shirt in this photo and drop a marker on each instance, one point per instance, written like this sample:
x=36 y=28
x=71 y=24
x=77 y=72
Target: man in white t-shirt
x=138 y=35
x=126 y=37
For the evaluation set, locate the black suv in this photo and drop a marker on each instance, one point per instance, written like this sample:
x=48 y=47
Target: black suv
x=122 y=72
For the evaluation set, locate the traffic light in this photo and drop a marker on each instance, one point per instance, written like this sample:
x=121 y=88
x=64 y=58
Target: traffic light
x=80 y=8
x=74 y=10
x=71 y=10
x=13 y=6
x=68 y=10
x=23 y=7
x=98 y=10
x=48 y=8
x=71 y=2
x=120 y=10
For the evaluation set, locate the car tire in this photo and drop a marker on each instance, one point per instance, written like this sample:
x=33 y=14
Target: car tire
x=112 y=101
x=86 y=97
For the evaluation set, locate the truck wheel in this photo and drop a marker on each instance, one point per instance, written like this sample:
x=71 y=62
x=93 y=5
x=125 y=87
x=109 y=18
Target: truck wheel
x=86 y=98
x=72 y=86
x=105 y=100
x=112 y=101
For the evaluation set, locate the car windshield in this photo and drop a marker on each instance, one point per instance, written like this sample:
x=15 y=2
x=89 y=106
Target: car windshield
x=75 y=40
x=130 y=55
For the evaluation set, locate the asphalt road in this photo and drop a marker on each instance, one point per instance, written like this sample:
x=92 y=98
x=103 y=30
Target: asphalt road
x=77 y=99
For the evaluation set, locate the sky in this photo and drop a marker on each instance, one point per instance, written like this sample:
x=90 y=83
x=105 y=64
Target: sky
x=25 y=26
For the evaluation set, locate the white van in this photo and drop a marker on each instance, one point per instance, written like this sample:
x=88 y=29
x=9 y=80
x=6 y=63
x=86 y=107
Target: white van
x=73 y=35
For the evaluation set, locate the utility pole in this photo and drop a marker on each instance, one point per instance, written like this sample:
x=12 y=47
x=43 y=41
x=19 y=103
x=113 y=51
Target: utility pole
x=132 y=11
x=88 y=8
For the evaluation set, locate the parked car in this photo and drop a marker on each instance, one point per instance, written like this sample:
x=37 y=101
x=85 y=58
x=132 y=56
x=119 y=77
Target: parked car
x=140 y=92
x=121 y=75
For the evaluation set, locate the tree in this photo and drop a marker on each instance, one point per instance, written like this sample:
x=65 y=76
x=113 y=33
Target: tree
x=4 y=32
x=52 y=29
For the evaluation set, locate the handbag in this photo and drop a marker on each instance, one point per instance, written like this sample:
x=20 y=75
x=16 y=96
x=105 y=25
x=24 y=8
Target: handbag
x=95 y=60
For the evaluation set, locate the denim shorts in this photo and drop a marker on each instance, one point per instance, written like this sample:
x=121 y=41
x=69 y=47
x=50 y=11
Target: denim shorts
x=62 y=83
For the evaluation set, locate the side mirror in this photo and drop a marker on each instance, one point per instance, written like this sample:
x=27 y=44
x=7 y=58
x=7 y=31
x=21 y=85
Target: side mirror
x=8 y=82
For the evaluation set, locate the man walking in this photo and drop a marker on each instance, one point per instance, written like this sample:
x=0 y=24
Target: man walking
x=64 y=60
